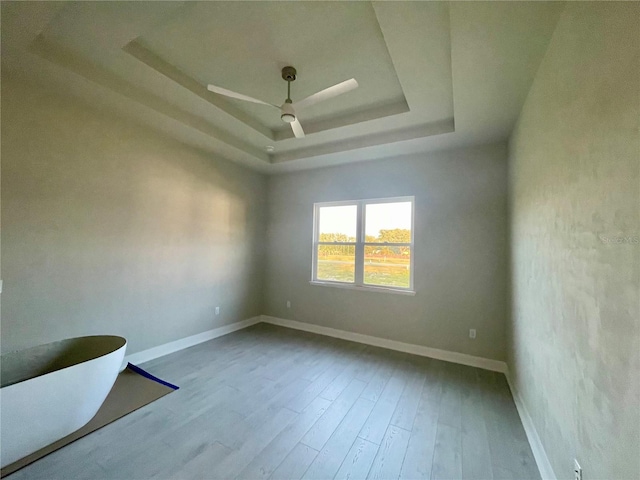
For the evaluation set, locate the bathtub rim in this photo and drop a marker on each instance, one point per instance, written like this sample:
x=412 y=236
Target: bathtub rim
x=121 y=343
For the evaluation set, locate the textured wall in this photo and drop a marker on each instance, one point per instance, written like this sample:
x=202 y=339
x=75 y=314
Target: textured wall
x=574 y=160
x=460 y=250
x=111 y=228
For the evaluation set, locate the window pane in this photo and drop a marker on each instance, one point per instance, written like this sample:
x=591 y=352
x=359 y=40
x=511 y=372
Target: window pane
x=388 y=222
x=337 y=224
x=387 y=266
x=336 y=263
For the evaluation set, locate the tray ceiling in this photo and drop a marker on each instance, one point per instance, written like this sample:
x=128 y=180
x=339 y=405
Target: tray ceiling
x=432 y=74
x=233 y=46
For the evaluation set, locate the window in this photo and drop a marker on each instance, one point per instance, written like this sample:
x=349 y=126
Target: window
x=364 y=244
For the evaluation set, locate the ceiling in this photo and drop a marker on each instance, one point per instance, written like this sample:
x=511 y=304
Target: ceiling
x=432 y=75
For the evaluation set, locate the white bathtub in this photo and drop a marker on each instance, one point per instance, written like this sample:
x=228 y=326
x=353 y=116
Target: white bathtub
x=50 y=391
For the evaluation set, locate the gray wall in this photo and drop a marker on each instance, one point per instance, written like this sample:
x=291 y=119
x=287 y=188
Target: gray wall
x=574 y=160
x=110 y=228
x=460 y=250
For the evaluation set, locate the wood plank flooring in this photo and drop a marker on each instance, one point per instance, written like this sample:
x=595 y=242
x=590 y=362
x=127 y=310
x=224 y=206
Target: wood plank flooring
x=273 y=403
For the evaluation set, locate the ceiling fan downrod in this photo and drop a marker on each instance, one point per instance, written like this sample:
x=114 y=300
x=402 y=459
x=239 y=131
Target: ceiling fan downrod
x=288 y=114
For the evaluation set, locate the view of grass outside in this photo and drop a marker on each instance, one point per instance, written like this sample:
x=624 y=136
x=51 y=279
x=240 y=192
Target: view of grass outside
x=336 y=268
x=388 y=266
x=386 y=272
x=383 y=265
x=336 y=263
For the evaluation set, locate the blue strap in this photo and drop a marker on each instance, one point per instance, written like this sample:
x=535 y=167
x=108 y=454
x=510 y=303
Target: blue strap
x=151 y=377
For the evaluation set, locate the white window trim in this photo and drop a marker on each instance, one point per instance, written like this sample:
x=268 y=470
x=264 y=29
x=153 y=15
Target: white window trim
x=359 y=246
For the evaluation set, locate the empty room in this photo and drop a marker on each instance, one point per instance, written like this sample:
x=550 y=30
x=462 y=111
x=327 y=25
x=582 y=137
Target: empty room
x=320 y=240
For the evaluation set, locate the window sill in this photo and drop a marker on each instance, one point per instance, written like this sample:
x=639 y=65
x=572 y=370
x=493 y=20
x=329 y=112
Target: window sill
x=363 y=288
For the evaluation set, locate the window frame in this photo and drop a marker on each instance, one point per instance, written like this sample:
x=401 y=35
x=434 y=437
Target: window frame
x=360 y=244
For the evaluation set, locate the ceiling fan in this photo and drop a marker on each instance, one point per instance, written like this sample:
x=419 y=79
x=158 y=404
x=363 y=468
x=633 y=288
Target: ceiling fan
x=288 y=108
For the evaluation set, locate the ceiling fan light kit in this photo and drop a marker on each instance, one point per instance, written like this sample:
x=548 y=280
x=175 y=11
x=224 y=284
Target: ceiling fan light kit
x=288 y=108
x=288 y=113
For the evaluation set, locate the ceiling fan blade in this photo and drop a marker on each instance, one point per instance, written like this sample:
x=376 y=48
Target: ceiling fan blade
x=297 y=129
x=239 y=96
x=327 y=93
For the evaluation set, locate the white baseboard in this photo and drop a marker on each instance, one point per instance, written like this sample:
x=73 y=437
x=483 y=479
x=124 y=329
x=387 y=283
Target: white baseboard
x=539 y=453
x=167 y=348
x=454 y=357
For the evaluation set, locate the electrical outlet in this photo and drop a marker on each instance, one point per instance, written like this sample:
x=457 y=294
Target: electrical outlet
x=472 y=333
x=288 y=304
x=217 y=310
x=577 y=470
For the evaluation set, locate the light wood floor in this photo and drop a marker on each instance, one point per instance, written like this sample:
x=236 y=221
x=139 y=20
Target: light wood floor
x=269 y=402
